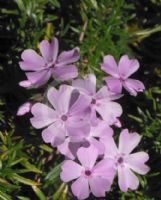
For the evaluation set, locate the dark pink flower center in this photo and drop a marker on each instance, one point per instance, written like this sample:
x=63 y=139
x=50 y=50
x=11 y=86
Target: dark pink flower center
x=87 y=172
x=122 y=79
x=93 y=101
x=64 y=118
x=120 y=160
x=49 y=65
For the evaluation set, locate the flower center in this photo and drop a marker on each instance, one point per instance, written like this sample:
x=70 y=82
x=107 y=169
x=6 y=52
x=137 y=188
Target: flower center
x=49 y=64
x=64 y=118
x=87 y=172
x=122 y=79
x=93 y=101
x=120 y=160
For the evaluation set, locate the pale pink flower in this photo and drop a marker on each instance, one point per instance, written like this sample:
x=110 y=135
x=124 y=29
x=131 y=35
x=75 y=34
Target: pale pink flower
x=101 y=101
x=39 y=69
x=67 y=118
x=88 y=176
x=125 y=162
x=120 y=74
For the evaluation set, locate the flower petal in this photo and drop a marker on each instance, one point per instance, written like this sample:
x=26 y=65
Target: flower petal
x=98 y=144
x=109 y=111
x=118 y=123
x=38 y=78
x=49 y=51
x=114 y=84
x=136 y=162
x=128 y=141
x=78 y=132
x=106 y=169
x=133 y=86
x=86 y=85
x=65 y=92
x=24 y=108
x=64 y=149
x=54 y=134
x=87 y=156
x=25 y=84
x=109 y=66
x=54 y=48
x=105 y=93
x=80 y=188
x=127 y=179
x=31 y=61
x=94 y=120
x=53 y=96
x=70 y=171
x=80 y=105
x=42 y=115
x=110 y=147
x=68 y=57
x=45 y=50
x=127 y=66
x=101 y=129
x=99 y=186
x=69 y=149
x=65 y=73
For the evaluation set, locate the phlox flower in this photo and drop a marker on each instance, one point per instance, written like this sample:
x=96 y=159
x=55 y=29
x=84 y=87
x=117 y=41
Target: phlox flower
x=100 y=130
x=39 y=69
x=125 y=162
x=88 y=176
x=101 y=100
x=66 y=118
x=120 y=74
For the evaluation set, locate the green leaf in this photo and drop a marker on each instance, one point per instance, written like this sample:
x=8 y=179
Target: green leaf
x=94 y=3
x=23 y=198
x=59 y=192
x=4 y=196
x=31 y=167
x=20 y=4
x=135 y=118
x=39 y=193
x=23 y=180
x=46 y=148
x=55 y=3
x=54 y=174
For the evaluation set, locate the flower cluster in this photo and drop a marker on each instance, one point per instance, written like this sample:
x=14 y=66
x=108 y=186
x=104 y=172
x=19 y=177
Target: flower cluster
x=79 y=119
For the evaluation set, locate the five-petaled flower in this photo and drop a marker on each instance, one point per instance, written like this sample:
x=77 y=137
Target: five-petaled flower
x=88 y=176
x=68 y=118
x=39 y=69
x=120 y=74
x=101 y=101
x=125 y=162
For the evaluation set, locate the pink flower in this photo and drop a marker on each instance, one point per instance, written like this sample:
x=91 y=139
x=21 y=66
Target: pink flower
x=125 y=162
x=39 y=69
x=120 y=74
x=101 y=101
x=88 y=176
x=24 y=108
x=68 y=118
x=101 y=130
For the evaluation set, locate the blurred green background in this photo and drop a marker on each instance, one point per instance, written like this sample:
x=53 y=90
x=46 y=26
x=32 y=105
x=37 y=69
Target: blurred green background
x=29 y=169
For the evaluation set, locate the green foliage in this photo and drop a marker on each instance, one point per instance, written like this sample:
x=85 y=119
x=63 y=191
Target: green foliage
x=99 y=28
x=105 y=34
x=14 y=162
